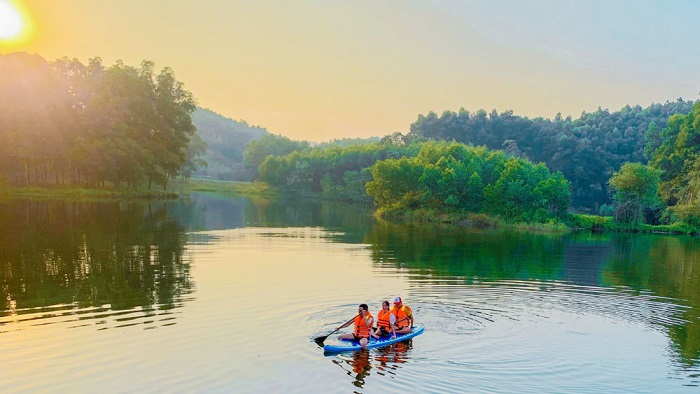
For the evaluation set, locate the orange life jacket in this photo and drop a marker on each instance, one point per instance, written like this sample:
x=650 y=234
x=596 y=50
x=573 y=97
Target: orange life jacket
x=361 y=328
x=402 y=316
x=383 y=319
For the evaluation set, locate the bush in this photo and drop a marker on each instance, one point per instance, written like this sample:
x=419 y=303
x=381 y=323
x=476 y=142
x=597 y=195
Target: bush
x=591 y=222
x=479 y=220
x=689 y=214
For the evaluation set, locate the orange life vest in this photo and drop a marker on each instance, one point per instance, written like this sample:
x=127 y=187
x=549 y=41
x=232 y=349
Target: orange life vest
x=402 y=316
x=384 y=319
x=361 y=328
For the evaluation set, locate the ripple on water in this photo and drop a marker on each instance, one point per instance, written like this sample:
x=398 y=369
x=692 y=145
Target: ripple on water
x=469 y=306
x=101 y=317
x=526 y=317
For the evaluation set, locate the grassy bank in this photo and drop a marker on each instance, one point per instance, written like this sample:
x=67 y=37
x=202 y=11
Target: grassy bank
x=574 y=222
x=608 y=224
x=178 y=188
x=225 y=187
x=468 y=219
x=86 y=194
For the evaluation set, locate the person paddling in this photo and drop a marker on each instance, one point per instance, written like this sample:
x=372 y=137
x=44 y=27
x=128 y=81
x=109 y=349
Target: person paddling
x=403 y=315
x=385 y=322
x=363 y=324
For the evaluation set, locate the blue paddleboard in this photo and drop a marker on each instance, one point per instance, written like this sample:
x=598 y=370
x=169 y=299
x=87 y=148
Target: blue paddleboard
x=350 y=345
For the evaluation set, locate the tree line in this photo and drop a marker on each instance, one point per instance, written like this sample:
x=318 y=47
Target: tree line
x=416 y=172
x=587 y=150
x=423 y=175
x=65 y=122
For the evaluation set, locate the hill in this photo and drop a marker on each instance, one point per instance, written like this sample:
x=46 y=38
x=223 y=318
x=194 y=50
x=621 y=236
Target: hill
x=226 y=142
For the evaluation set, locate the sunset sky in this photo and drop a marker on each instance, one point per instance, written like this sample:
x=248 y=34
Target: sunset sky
x=325 y=69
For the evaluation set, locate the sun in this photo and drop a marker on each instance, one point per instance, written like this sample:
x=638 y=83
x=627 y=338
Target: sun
x=10 y=21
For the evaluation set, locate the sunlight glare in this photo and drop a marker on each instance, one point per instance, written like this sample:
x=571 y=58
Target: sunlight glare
x=10 y=21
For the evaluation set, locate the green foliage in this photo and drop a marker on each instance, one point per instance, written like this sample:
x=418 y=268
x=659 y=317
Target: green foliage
x=607 y=210
x=585 y=150
x=445 y=176
x=678 y=158
x=353 y=187
x=527 y=192
x=348 y=142
x=270 y=145
x=430 y=176
x=590 y=222
x=340 y=172
x=70 y=123
x=225 y=140
x=394 y=183
x=479 y=220
x=688 y=214
x=228 y=187
x=635 y=189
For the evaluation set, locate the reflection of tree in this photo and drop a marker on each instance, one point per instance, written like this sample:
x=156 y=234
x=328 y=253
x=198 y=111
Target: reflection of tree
x=353 y=220
x=124 y=255
x=453 y=251
x=665 y=265
x=668 y=267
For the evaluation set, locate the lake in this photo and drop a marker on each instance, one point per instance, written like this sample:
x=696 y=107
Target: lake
x=217 y=294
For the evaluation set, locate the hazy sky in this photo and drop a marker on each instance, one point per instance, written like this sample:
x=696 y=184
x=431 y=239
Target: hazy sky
x=325 y=69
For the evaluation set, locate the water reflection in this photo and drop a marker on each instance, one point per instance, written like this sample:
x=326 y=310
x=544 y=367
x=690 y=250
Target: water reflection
x=390 y=358
x=106 y=264
x=539 y=310
x=614 y=268
x=357 y=365
x=583 y=268
x=669 y=267
x=386 y=361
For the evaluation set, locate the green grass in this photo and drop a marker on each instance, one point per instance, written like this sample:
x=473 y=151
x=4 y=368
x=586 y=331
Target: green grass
x=86 y=194
x=177 y=188
x=467 y=219
x=608 y=224
x=226 y=187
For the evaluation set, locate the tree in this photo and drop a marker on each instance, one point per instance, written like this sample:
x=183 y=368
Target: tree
x=395 y=183
x=635 y=190
x=65 y=121
x=269 y=144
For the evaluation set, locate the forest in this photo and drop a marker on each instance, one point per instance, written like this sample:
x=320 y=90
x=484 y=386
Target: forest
x=69 y=123
x=423 y=174
x=646 y=175
x=586 y=150
x=91 y=125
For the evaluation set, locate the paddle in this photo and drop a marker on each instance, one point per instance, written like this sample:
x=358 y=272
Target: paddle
x=320 y=340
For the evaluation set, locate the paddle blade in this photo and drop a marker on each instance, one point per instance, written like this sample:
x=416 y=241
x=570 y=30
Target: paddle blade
x=319 y=341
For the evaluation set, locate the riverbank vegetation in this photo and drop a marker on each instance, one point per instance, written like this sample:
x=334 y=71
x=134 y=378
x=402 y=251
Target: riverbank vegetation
x=74 y=130
x=185 y=186
x=66 y=123
x=75 y=193
x=586 y=150
x=432 y=180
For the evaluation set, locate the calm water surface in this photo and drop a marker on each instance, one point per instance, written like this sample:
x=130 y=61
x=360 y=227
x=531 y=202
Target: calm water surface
x=211 y=294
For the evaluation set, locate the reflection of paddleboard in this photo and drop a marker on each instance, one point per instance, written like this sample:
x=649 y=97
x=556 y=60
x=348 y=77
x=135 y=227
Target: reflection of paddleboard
x=351 y=345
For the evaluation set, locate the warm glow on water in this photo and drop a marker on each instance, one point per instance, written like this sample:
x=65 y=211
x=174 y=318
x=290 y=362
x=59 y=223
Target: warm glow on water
x=127 y=298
